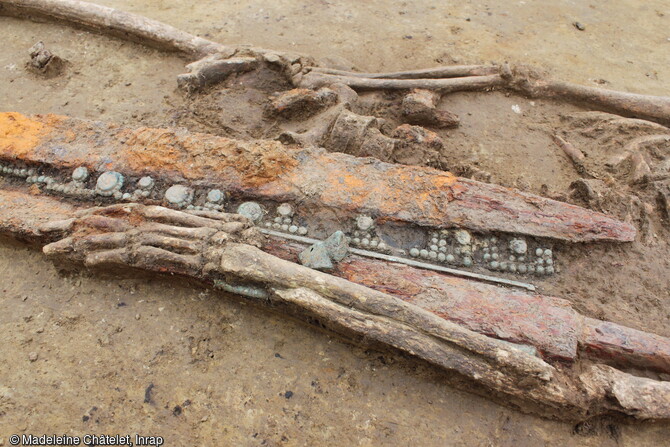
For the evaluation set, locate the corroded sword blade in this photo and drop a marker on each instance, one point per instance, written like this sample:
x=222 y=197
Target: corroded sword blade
x=336 y=186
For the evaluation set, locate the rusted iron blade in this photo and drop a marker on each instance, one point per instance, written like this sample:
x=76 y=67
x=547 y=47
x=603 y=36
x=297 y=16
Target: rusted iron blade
x=342 y=184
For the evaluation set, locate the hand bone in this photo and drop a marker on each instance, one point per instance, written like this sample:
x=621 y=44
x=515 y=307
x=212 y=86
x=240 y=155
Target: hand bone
x=148 y=237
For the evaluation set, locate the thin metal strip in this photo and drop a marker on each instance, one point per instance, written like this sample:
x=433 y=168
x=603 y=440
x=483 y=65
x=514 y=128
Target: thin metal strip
x=419 y=264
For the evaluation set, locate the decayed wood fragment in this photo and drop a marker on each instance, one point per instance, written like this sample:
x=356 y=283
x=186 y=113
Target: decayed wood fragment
x=313 y=177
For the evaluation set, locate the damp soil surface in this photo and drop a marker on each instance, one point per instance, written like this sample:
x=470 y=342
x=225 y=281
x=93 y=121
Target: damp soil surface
x=160 y=356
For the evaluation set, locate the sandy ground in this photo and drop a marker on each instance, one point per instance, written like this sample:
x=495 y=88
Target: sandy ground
x=227 y=373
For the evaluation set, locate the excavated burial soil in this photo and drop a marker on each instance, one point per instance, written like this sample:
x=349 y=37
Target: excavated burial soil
x=228 y=367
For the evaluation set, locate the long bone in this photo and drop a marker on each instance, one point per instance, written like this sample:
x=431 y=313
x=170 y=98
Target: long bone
x=521 y=79
x=127 y=236
x=443 y=85
x=111 y=21
x=453 y=71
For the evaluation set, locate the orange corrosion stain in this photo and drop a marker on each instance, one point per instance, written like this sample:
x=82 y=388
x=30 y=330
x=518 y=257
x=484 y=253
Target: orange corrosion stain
x=19 y=135
x=346 y=188
x=359 y=189
x=391 y=188
x=353 y=182
x=70 y=136
x=446 y=179
x=199 y=155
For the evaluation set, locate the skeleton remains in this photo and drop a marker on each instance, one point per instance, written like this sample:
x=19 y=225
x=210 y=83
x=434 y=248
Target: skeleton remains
x=407 y=257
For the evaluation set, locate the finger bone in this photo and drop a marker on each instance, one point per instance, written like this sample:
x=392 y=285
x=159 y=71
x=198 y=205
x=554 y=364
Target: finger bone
x=180 y=232
x=117 y=256
x=158 y=259
x=102 y=241
x=59 y=248
x=167 y=215
x=169 y=243
x=57 y=226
